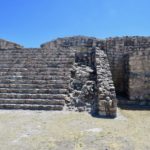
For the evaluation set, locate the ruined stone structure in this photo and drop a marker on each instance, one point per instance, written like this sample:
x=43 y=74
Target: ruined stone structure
x=124 y=54
x=139 y=76
x=76 y=73
x=129 y=60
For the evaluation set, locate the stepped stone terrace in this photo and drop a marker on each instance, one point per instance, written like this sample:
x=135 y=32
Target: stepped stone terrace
x=76 y=73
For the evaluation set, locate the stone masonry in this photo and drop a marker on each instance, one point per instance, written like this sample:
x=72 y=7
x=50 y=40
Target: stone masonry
x=9 y=45
x=91 y=87
x=124 y=54
x=76 y=73
x=35 y=78
x=139 y=77
x=107 y=102
x=118 y=50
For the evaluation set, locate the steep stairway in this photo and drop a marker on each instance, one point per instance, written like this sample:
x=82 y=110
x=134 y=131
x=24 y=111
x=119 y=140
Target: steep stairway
x=35 y=79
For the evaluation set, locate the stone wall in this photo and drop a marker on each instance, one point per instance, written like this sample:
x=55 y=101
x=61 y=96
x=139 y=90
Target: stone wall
x=139 y=77
x=9 y=45
x=75 y=41
x=128 y=59
x=36 y=79
x=91 y=87
x=107 y=103
x=117 y=49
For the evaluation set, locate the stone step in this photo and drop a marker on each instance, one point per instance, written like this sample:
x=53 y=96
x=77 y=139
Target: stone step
x=33 y=63
x=33 y=101
x=42 y=61
x=28 y=74
x=34 y=69
x=51 y=55
x=40 y=51
x=38 y=55
x=36 y=65
x=33 y=50
x=32 y=96
x=12 y=61
x=20 y=81
x=52 y=58
x=31 y=107
x=29 y=86
x=35 y=73
x=39 y=77
x=34 y=91
x=37 y=52
x=35 y=79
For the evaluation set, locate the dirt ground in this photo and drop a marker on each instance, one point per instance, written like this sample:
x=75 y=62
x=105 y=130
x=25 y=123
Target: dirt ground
x=44 y=130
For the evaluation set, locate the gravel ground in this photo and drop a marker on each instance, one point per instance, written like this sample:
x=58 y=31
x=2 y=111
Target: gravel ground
x=44 y=130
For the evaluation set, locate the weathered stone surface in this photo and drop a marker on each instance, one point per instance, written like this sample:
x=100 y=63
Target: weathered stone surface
x=9 y=45
x=139 y=76
x=117 y=50
x=82 y=73
x=107 y=103
x=122 y=53
x=82 y=88
x=35 y=78
x=75 y=41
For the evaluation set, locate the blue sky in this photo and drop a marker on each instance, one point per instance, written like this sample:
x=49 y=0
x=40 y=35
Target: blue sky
x=32 y=22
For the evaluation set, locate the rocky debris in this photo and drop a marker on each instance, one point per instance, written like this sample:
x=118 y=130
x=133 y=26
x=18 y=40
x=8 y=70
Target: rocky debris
x=9 y=45
x=82 y=89
x=80 y=74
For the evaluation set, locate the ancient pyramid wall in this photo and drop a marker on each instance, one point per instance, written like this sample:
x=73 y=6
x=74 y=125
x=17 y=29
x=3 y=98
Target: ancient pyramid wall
x=90 y=73
x=91 y=67
x=139 y=77
x=118 y=50
x=34 y=78
x=128 y=57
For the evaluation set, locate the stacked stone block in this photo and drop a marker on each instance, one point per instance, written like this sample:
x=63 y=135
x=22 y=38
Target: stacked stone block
x=35 y=78
x=75 y=71
x=107 y=103
x=139 y=77
x=75 y=41
x=119 y=51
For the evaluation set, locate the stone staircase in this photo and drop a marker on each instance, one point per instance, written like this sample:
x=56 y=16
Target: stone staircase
x=35 y=79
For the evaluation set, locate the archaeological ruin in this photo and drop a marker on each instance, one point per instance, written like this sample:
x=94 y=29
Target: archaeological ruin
x=76 y=73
